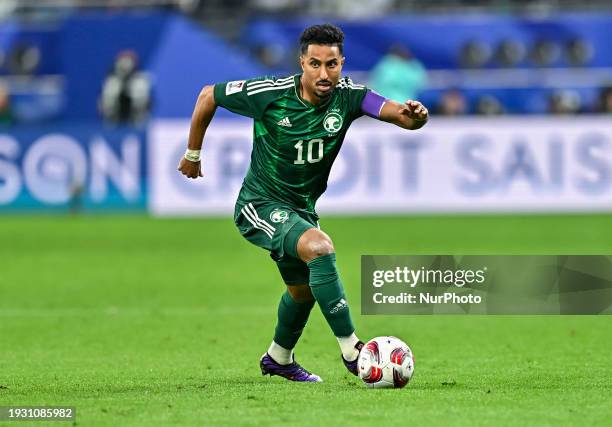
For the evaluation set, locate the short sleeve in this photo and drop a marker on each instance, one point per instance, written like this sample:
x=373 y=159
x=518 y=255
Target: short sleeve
x=238 y=97
x=357 y=96
x=356 y=93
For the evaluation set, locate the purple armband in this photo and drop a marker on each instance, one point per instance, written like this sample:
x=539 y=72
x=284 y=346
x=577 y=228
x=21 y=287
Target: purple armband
x=372 y=104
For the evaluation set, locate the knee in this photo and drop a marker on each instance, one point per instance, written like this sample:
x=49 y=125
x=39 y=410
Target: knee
x=321 y=247
x=313 y=244
x=300 y=293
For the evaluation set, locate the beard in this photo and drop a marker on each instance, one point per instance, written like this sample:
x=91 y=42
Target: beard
x=324 y=93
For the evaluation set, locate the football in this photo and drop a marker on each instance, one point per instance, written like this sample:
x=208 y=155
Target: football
x=386 y=362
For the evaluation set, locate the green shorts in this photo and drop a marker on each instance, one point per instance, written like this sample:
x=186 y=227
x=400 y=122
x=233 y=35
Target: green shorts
x=277 y=228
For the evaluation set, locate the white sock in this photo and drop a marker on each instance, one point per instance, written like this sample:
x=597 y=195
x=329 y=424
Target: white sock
x=280 y=354
x=347 y=346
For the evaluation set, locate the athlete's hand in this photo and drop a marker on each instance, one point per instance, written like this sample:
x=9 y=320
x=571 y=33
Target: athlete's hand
x=415 y=110
x=190 y=169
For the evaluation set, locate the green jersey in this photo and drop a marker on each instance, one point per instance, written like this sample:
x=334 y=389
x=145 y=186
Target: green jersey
x=294 y=142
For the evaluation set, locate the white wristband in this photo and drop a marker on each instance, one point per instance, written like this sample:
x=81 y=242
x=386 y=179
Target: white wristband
x=192 y=155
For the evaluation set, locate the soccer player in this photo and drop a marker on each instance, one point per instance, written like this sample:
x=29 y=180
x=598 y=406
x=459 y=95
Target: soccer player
x=300 y=122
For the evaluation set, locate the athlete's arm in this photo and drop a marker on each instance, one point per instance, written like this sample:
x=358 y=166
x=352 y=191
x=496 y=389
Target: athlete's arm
x=203 y=113
x=410 y=115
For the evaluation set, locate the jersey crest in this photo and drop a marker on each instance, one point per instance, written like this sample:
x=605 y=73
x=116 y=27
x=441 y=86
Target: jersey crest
x=279 y=215
x=332 y=122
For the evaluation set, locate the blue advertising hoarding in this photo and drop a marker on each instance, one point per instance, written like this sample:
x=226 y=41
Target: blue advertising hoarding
x=79 y=166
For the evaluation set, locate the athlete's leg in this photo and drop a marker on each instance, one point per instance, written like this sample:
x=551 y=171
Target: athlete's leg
x=300 y=293
x=316 y=249
x=256 y=224
x=293 y=311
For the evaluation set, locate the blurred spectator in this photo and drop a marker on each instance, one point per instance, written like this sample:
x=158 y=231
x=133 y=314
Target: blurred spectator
x=452 y=103
x=271 y=55
x=398 y=75
x=474 y=53
x=579 y=52
x=24 y=59
x=7 y=117
x=564 y=102
x=488 y=105
x=126 y=92
x=545 y=53
x=604 y=100
x=510 y=53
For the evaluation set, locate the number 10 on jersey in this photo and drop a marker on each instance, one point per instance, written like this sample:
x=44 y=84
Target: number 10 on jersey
x=314 y=151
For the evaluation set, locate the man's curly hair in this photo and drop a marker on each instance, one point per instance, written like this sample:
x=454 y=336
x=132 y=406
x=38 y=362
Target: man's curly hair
x=327 y=34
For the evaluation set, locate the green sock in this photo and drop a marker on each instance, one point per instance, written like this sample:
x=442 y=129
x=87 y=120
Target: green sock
x=292 y=317
x=327 y=289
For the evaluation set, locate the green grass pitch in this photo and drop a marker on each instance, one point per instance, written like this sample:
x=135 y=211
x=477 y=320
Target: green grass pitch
x=139 y=321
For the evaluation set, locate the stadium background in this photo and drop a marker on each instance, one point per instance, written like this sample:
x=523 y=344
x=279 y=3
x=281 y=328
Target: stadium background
x=126 y=291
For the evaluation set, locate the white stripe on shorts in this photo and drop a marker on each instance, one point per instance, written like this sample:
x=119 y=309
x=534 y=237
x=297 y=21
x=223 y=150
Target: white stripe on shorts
x=263 y=223
x=248 y=216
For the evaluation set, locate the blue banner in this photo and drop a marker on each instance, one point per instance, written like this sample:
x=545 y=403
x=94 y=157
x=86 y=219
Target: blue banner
x=72 y=167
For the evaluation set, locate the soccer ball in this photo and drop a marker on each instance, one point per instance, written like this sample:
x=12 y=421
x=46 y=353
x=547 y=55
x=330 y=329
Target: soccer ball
x=386 y=362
